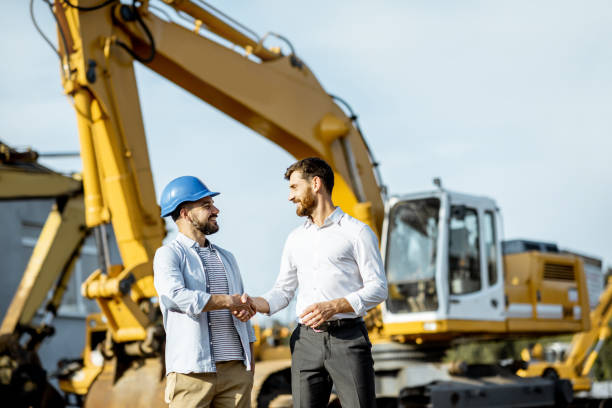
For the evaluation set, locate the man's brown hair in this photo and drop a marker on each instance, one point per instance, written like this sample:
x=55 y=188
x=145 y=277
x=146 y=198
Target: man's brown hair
x=311 y=167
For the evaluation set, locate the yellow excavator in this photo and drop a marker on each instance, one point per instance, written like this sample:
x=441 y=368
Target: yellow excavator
x=23 y=382
x=449 y=277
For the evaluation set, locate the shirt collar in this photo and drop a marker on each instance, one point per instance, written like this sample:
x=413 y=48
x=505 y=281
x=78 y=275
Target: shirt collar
x=190 y=243
x=333 y=218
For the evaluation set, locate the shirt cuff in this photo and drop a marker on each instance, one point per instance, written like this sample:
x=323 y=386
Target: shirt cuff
x=202 y=299
x=356 y=303
x=275 y=305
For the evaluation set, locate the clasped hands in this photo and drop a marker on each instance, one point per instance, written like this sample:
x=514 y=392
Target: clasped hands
x=243 y=307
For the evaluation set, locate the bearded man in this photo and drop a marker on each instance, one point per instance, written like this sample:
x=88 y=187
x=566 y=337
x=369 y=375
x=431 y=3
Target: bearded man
x=335 y=261
x=209 y=352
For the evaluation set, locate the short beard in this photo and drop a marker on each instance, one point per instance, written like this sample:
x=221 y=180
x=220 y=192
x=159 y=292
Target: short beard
x=306 y=205
x=207 y=229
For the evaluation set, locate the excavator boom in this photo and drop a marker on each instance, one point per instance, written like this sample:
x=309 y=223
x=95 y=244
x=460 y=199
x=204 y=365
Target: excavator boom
x=275 y=95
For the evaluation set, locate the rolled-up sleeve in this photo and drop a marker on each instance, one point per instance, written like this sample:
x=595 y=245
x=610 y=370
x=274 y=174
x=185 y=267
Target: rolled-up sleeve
x=170 y=285
x=286 y=283
x=369 y=262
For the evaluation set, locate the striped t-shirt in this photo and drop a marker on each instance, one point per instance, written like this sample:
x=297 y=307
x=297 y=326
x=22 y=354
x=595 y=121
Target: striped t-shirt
x=226 y=344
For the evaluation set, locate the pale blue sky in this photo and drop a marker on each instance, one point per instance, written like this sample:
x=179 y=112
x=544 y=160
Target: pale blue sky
x=508 y=99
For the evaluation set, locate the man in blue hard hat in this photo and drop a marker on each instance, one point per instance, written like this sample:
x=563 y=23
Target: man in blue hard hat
x=209 y=352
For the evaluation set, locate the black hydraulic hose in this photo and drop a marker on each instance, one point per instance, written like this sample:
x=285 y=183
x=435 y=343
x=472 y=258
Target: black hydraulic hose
x=130 y=51
x=121 y=43
x=90 y=8
x=40 y=30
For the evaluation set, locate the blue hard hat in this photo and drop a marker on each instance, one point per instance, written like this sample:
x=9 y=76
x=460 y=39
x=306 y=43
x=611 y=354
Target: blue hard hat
x=180 y=190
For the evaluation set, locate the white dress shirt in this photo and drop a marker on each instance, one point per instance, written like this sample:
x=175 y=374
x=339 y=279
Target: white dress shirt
x=340 y=259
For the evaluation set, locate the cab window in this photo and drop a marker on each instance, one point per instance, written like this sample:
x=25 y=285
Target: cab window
x=464 y=251
x=490 y=247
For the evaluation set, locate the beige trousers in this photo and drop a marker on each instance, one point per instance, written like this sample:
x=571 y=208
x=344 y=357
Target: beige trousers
x=229 y=387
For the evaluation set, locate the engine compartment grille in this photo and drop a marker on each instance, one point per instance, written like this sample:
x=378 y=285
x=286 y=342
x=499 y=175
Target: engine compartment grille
x=559 y=272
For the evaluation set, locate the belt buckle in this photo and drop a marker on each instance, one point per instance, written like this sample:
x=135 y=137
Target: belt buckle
x=322 y=327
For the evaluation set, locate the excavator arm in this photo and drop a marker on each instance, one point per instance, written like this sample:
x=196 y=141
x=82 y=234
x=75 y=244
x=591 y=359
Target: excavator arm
x=275 y=95
x=24 y=382
x=23 y=178
x=584 y=349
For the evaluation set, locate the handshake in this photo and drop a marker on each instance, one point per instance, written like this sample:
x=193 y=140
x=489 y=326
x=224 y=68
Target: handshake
x=244 y=307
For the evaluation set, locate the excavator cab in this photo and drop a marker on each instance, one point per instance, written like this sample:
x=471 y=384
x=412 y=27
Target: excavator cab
x=449 y=277
x=443 y=263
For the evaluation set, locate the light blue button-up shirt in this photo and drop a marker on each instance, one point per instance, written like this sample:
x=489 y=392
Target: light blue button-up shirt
x=180 y=281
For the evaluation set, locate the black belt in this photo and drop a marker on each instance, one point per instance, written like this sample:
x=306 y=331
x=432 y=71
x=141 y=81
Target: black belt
x=337 y=324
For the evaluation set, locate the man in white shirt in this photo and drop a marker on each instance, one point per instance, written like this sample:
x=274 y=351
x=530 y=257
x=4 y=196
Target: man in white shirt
x=335 y=261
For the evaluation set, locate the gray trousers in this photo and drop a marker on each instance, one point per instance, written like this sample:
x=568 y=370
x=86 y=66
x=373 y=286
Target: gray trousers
x=342 y=357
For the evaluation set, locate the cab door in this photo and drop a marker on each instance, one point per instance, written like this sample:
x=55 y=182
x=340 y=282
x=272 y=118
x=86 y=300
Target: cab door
x=475 y=286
